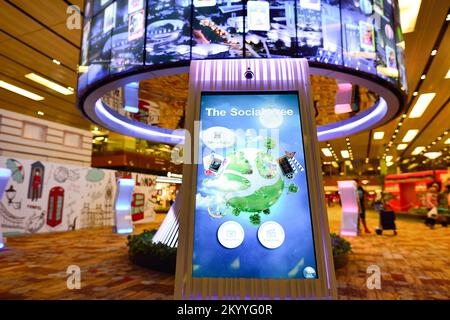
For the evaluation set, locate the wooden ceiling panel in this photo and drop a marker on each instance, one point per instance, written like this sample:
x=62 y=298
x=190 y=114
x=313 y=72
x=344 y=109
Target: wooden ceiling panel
x=50 y=100
x=72 y=35
x=47 y=12
x=13 y=70
x=31 y=109
x=431 y=16
x=15 y=22
x=16 y=51
x=53 y=46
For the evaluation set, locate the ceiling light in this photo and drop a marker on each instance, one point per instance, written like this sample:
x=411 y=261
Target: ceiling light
x=423 y=77
x=448 y=17
x=410 y=135
x=433 y=53
x=447 y=141
x=40 y=113
x=388 y=164
x=402 y=146
x=447 y=76
x=49 y=84
x=421 y=105
x=345 y=154
x=378 y=135
x=22 y=92
x=335 y=164
x=326 y=152
x=413 y=165
x=433 y=155
x=415 y=93
x=417 y=150
x=56 y=62
x=83 y=69
x=389 y=158
x=409 y=10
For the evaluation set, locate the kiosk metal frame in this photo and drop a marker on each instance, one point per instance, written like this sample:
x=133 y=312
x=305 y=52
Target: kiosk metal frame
x=272 y=75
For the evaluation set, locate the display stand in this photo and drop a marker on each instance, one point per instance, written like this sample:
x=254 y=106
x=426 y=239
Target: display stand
x=350 y=208
x=123 y=223
x=238 y=249
x=5 y=174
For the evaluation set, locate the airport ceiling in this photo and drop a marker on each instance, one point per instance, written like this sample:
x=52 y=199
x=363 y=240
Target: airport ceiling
x=33 y=33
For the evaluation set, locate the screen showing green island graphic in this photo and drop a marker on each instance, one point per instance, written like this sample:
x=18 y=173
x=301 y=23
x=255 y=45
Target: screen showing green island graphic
x=252 y=210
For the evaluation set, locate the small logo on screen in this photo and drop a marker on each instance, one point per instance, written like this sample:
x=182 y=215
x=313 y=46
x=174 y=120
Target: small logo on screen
x=309 y=273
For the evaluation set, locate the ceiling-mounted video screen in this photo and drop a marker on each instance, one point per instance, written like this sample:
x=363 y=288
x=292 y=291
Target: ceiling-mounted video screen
x=363 y=35
x=359 y=35
x=319 y=30
x=217 y=29
x=168 y=31
x=270 y=30
x=99 y=52
x=128 y=35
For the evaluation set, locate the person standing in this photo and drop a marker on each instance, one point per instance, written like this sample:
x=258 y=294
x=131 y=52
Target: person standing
x=362 y=205
x=432 y=205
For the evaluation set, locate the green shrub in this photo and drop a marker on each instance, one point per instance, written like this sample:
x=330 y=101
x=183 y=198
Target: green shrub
x=340 y=245
x=144 y=252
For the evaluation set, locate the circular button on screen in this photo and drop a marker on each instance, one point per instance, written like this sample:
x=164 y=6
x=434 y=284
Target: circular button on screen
x=230 y=234
x=271 y=234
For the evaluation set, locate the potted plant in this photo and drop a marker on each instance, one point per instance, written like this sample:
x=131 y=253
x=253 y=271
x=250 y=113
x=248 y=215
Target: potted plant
x=341 y=248
x=145 y=253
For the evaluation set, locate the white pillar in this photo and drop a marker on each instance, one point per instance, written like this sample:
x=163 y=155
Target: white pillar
x=122 y=206
x=350 y=208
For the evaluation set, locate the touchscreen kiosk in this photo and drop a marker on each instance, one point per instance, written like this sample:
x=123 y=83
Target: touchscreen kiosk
x=254 y=222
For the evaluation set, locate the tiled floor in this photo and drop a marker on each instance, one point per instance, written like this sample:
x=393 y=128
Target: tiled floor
x=414 y=265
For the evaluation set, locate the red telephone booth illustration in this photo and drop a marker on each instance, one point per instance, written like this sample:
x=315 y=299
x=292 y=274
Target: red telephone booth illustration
x=138 y=206
x=55 y=206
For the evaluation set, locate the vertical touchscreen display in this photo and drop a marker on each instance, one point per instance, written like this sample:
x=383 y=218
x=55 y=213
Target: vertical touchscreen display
x=252 y=210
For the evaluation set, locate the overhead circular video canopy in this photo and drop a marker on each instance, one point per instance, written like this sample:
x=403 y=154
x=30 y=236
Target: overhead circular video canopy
x=358 y=42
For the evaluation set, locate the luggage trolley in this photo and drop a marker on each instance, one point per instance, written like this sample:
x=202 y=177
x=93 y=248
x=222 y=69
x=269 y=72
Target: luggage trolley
x=387 y=219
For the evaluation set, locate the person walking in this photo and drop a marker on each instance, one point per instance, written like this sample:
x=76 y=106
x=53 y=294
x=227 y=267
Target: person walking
x=362 y=205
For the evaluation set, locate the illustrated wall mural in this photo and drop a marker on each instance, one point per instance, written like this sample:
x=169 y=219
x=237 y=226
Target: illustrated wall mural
x=46 y=197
